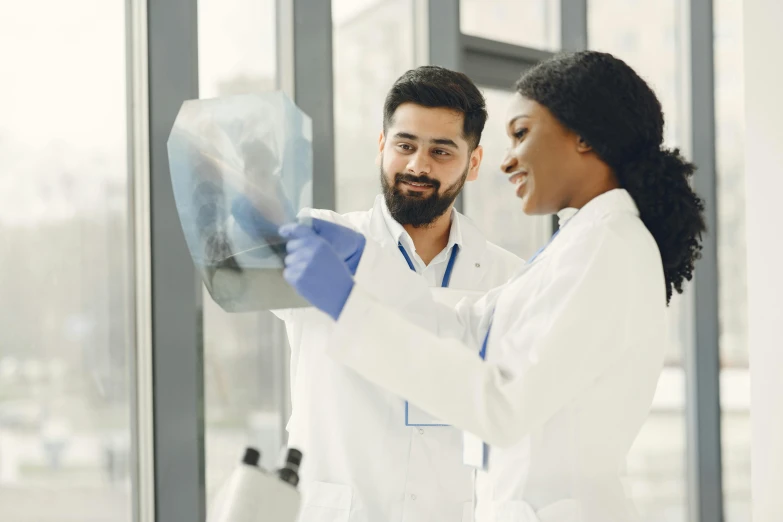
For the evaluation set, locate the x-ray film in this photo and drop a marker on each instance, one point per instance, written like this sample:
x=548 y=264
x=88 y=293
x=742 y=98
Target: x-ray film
x=241 y=166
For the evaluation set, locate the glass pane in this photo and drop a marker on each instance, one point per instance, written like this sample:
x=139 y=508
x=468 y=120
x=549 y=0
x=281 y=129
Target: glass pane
x=65 y=388
x=367 y=33
x=245 y=388
x=236 y=47
x=531 y=23
x=735 y=381
x=649 y=36
x=488 y=200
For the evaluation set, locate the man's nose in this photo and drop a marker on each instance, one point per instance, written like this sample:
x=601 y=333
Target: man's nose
x=419 y=164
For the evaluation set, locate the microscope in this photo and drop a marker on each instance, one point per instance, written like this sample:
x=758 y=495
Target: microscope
x=255 y=495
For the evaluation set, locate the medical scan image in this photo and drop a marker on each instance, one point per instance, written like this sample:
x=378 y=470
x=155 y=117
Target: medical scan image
x=241 y=166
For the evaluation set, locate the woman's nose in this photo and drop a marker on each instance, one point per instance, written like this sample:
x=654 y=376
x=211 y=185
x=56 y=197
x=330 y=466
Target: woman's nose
x=509 y=164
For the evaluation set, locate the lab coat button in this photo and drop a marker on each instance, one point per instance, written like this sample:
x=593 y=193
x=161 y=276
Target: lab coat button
x=478 y=265
x=421 y=431
x=413 y=497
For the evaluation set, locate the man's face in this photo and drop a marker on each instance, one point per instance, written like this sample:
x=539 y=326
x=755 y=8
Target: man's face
x=425 y=161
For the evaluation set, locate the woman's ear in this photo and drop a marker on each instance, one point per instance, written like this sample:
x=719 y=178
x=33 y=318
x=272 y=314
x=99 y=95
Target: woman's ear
x=582 y=145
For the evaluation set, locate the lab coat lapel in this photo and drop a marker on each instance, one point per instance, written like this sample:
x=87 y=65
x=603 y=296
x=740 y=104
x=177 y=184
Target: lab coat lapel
x=378 y=231
x=473 y=262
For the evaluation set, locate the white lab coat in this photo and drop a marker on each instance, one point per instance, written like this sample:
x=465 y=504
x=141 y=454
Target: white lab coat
x=361 y=463
x=573 y=358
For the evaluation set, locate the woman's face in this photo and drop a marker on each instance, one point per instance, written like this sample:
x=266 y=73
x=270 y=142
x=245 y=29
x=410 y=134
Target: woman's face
x=544 y=159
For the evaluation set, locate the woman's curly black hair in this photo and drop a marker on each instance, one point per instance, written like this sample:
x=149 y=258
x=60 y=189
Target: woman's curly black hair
x=605 y=102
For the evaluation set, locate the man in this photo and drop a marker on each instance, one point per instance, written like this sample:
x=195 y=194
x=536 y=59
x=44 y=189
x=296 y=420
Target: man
x=368 y=457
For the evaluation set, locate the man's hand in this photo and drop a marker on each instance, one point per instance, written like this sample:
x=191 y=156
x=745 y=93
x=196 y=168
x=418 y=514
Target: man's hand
x=315 y=271
x=347 y=243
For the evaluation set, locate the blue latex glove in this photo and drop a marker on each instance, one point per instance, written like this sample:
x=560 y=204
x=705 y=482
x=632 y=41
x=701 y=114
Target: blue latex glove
x=315 y=271
x=346 y=242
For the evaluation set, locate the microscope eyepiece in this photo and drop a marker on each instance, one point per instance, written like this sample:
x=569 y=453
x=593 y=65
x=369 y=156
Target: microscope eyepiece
x=290 y=471
x=293 y=459
x=252 y=457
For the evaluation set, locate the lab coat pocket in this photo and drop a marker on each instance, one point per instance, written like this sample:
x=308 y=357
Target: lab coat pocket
x=325 y=502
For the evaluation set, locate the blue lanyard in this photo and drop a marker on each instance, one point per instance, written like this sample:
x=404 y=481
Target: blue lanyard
x=444 y=284
x=449 y=267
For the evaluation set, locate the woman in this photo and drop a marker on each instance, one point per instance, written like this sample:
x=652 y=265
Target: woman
x=574 y=343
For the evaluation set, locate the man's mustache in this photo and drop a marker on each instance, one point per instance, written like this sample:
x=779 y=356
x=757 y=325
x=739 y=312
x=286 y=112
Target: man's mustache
x=399 y=178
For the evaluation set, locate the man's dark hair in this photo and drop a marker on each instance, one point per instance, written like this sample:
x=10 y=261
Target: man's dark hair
x=604 y=101
x=436 y=87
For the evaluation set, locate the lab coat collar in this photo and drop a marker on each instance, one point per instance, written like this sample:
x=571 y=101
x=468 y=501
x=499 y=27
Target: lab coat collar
x=565 y=215
x=617 y=200
x=614 y=201
x=474 y=260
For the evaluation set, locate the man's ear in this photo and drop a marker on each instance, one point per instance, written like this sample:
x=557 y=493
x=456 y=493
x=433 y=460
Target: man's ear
x=475 y=162
x=582 y=145
x=381 y=144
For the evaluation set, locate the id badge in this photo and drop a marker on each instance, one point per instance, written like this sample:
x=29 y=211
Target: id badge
x=475 y=453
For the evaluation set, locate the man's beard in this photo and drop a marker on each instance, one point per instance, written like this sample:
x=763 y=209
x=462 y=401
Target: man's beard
x=416 y=209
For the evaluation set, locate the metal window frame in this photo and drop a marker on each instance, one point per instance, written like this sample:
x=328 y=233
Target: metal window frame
x=304 y=71
x=573 y=25
x=142 y=428
x=175 y=333
x=497 y=64
x=702 y=362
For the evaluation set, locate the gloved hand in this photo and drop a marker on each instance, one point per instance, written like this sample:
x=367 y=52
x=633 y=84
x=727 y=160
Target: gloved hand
x=315 y=271
x=347 y=243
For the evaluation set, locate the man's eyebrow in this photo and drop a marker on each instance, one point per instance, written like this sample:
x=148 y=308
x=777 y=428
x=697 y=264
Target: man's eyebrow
x=435 y=141
x=444 y=141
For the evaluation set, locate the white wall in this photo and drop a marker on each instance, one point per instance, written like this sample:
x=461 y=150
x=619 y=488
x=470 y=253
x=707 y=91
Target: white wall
x=764 y=171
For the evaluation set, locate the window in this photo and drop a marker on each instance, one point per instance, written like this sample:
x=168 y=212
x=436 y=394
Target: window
x=657 y=462
x=236 y=47
x=373 y=46
x=65 y=331
x=530 y=23
x=245 y=355
x=490 y=201
x=734 y=378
